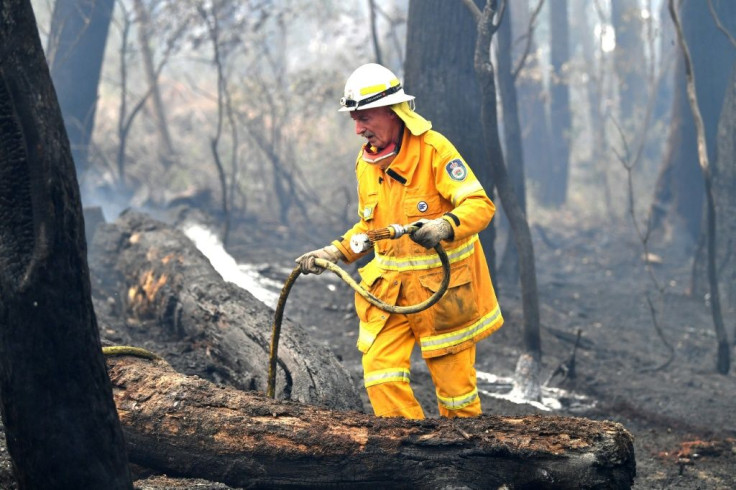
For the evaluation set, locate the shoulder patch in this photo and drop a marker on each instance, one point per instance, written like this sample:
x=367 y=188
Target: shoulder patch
x=456 y=170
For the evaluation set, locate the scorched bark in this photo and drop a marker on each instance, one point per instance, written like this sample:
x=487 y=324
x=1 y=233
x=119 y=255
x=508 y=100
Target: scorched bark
x=155 y=277
x=189 y=427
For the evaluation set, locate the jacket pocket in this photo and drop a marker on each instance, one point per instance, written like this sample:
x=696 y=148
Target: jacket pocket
x=458 y=306
x=368 y=212
x=372 y=318
x=417 y=207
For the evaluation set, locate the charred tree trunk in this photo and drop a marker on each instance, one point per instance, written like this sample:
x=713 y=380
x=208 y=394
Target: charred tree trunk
x=724 y=192
x=554 y=189
x=529 y=361
x=440 y=39
x=535 y=130
x=189 y=427
x=723 y=362
x=61 y=425
x=677 y=206
x=514 y=154
x=75 y=51
x=155 y=277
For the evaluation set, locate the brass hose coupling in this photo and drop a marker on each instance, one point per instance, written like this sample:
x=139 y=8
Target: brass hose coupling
x=362 y=242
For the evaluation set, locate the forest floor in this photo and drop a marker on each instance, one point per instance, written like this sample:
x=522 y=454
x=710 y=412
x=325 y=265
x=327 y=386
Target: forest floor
x=593 y=280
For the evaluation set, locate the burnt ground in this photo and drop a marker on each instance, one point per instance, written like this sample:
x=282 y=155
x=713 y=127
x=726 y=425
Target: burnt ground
x=591 y=280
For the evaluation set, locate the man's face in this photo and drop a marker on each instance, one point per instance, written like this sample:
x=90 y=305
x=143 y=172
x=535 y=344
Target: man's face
x=379 y=125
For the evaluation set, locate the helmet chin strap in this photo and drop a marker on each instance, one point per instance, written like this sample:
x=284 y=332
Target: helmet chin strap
x=373 y=155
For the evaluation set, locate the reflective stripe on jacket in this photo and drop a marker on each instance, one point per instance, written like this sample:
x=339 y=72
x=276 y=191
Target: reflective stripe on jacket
x=427 y=179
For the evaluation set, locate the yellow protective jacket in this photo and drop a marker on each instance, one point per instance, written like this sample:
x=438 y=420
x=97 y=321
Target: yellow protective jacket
x=427 y=179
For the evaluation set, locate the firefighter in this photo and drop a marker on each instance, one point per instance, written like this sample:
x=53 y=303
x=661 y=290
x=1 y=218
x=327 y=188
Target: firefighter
x=408 y=173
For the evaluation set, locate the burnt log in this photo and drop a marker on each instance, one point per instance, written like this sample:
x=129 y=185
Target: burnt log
x=153 y=277
x=189 y=427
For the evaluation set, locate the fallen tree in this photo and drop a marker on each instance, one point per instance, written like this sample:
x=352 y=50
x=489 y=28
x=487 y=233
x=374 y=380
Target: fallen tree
x=151 y=281
x=187 y=426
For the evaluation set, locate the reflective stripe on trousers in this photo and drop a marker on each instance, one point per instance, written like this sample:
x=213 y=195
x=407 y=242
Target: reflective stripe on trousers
x=458 y=402
x=386 y=376
x=490 y=321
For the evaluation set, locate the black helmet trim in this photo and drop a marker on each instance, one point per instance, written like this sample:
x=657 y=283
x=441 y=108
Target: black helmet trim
x=380 y=95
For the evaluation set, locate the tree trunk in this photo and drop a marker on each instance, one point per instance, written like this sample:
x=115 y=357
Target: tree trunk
x=166 y=152
x=598 y=71
x=439 y=71
x=723 y=363
x=189 y=427
x=374 y=32
x=530 y=361
x=677 y=206
x=514 y=155
x=724 y=191
x=553 y=190
x=532 y=96
x=75 y=52
x=61 y=425
x=629 y=59
x=158 y=279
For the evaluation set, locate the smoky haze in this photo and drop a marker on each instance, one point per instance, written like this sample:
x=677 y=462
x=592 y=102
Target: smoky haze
x=225 y=115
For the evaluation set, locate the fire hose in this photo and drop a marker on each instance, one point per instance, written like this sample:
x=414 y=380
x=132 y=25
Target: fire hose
x=360 y=242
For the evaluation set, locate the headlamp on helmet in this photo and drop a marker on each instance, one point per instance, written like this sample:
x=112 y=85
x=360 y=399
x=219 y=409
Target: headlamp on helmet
x=372 y=85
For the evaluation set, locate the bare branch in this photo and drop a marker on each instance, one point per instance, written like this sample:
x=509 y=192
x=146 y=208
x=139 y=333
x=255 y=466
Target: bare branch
x=211 y=21
x=599 y=10
x=473 y=8
x=499 y=15
x=374 y=31
x=644 y=236
x=496 y=11
x=393 y=22
x=658 y=328
x=529 y=36
x=629 y=162
x=720 y=26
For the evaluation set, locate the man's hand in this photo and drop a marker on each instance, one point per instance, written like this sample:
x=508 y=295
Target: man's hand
x=306 y=261
x=431 y=232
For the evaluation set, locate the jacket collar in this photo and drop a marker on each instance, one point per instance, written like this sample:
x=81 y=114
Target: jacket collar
x=405 y=163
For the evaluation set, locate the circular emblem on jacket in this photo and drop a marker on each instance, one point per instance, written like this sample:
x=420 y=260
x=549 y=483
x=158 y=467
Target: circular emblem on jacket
x=422 y=206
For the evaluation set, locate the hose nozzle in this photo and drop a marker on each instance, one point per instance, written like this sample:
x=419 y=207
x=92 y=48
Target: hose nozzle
x=361 y=242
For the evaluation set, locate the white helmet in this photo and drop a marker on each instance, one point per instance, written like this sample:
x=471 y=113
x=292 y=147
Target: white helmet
x=372 y=85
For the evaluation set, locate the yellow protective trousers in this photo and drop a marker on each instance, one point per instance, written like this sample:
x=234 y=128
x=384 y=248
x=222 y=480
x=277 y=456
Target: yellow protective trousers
x=386 y=368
